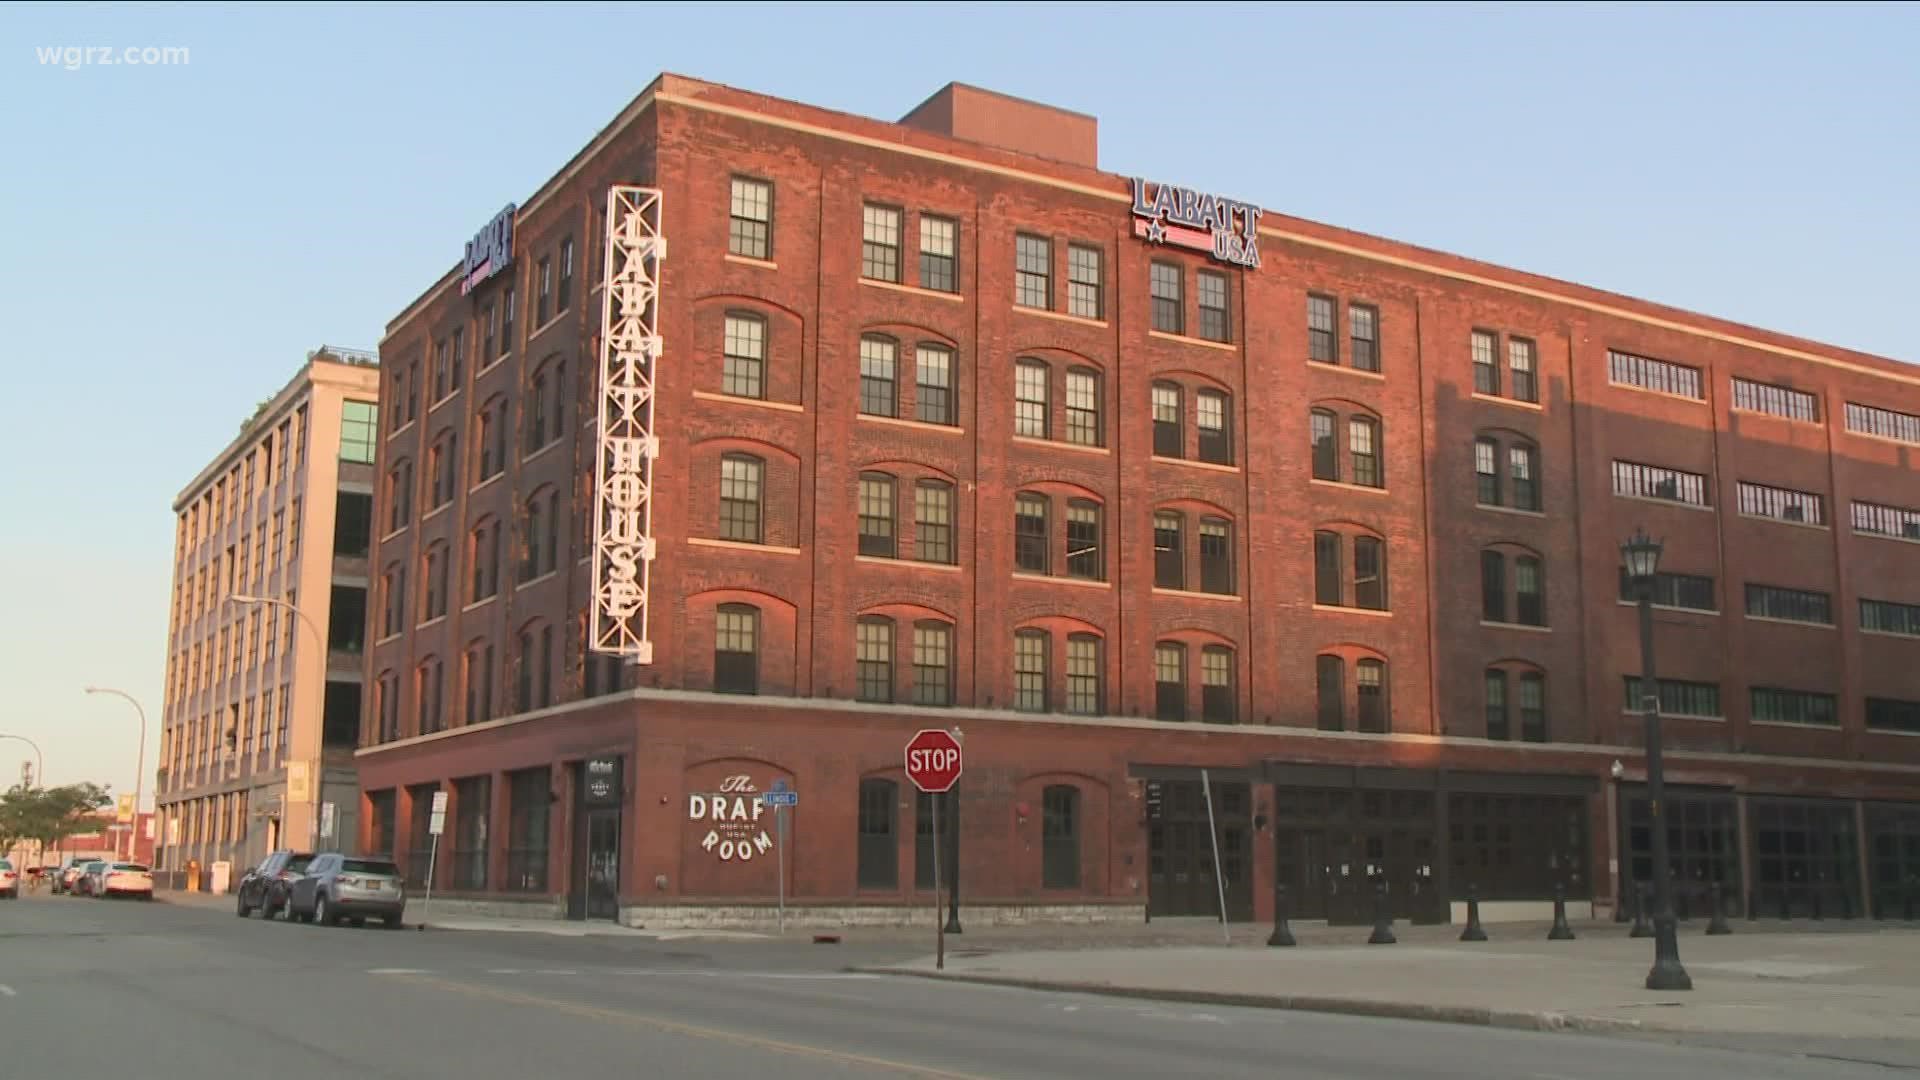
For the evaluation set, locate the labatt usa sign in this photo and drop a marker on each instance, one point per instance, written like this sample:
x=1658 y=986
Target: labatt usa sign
x=1224 y=228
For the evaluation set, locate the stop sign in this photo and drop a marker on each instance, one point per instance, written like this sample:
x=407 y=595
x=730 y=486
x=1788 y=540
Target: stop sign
x=933 y=760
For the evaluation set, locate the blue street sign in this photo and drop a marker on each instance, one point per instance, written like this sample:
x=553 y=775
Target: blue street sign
x=781 y=797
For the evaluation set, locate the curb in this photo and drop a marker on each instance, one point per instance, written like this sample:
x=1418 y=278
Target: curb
x=1518 y=1019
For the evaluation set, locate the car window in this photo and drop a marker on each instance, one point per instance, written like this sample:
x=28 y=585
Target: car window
x=299 y=863
x=369 y=866
x=133 y=868
x=5 y=864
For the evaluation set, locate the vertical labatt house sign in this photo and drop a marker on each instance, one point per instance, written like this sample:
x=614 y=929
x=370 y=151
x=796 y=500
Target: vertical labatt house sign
x=1183 y=217
x=623 y=545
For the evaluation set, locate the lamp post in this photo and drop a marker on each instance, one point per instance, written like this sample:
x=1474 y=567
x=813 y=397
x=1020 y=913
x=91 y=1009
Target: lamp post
x=319 y=650
x=133 y=838
x=40 y=770
x=1641 y=554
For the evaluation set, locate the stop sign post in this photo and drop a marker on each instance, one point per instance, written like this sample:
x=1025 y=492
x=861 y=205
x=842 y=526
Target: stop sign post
x=933 y=764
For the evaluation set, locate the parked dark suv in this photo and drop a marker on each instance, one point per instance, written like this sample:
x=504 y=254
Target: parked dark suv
x=265 y=887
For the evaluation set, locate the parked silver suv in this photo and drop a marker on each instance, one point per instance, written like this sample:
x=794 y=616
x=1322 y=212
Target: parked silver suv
x=345 y=887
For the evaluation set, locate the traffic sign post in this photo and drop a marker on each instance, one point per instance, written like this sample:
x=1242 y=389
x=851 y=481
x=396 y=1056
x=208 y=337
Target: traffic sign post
x=781 y=798
x=934 y=764
x=436 y=824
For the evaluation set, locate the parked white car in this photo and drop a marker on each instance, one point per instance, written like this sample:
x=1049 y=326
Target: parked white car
x=124 y=879
x=9 y=881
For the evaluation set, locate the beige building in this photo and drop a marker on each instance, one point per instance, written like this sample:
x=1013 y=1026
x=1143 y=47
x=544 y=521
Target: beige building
x=269 y=575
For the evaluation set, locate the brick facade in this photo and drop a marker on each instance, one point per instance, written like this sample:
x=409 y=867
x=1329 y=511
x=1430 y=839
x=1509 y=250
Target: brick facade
x=806 y=579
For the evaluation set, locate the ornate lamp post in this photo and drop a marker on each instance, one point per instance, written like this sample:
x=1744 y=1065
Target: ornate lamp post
x=1641 y=554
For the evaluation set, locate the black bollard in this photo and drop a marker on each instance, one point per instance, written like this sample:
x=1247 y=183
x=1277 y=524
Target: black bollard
x=1281 y=937
x=1718 y=925
x=1561 y=931
x=1817 y=913
x=1641 y=927
x=1474 y=931
x=1382 y=919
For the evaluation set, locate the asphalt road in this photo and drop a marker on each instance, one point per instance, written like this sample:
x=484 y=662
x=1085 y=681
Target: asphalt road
x=116 y=988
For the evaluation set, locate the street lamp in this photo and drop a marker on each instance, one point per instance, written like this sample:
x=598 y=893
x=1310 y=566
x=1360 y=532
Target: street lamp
x=319 y=650
x=41 y=769
x=1641 y=554
x=133 y=830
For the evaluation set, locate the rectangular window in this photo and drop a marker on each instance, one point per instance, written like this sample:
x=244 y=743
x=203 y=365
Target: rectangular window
x=1326 y=452
x=1776 y=706
x=878 y=358
x=1363 y=444
x=1170 y=682
x=1656 y=482
x=1677 y=697
x=543 y=296
x=1886 y=423
x=939 y=254
x=1533 y=708
x=743 y=364
x=489 y=333
x=1320 y=341
x=1329 y=678
x=1216 y=322
x=1083 y=541
x=1083 y=408
x=1085 y=281
x=436 y=584
x=1168 y=440
x=1522 y=465
x=932 y=664
x=1782 y=504
x=442 y=458
x=933 y=384
x=880 y=243
x=1326 y=569
x=1693 y=592
x=1169 y=558
x=1493 y=586
x=1496 y=694
x=400 y=496
x=359 y=420
x=1060 y=837
x=740 y=499
x=1796 y=605
x=1881 y=520
x=1030 y=400
x=1030 y=671
x=736 y=651
x=877 y=856
x=1083 y=675
x=479 y=681
x=506 y=320
x=529 y=816
x=1660 y=376
x=876 y=515
x=457 y=365
x=1888 y=617
x=750 y=219
x=1168 y=288
x=493 y=442
x=1030 y=548
x=1486 y=472
x=1216 y=557
x=1369 y=573
x=1216 y=686
x=1529 y=591
x=439 y=370
x=1520 y=365
x=1363 y=337
x=933 y=522
x=1216 y=433
x=1486 y=372
x=1750 y=396
x=1370 y=696
x=1032 y=271
x=564 y=297
x=1887 y=714
x=873 y=659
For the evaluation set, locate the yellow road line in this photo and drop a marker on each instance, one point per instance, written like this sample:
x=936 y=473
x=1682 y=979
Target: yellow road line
x=631 y=1019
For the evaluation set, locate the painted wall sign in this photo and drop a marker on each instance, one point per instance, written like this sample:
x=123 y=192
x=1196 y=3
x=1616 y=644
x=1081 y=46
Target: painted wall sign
x=490 y=251
x=1182 y=217
x=731 y=816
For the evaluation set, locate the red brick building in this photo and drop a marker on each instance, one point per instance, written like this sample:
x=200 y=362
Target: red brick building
x=1153 y=495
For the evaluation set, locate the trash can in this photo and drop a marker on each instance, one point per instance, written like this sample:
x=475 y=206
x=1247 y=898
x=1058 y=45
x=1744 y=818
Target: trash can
x=193 y=875
x=222 y=874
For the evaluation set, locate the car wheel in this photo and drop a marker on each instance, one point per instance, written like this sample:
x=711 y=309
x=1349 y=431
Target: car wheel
x=240 y=907
x=320 y=913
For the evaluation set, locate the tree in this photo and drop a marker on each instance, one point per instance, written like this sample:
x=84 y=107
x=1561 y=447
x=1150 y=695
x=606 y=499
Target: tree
x=49 y=815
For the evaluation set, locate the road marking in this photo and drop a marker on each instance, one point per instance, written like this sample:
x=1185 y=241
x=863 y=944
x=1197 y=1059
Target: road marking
x=554 y=971
x=505 y=971
x=629 y=1019
x=7 y=991
x=397 y=971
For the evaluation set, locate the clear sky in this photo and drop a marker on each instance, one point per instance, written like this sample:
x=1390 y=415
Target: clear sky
x=173 y=239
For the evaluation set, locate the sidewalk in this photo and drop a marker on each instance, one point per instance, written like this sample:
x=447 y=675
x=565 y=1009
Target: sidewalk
x=550 y=927
x=1852 y=988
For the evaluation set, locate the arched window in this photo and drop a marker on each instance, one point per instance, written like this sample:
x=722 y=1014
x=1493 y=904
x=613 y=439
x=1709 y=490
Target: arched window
x=399 y=496
x=876 y=515
x=1170 y=681
x=933 y=521
x=490 y=446
x=1330 y=690
x=434 y=583
x=1506 y=472
x=533 y=679
x=483 y=561
x=1083 y=407
x=1085 y=689
x=1085 y=557
x=744 y=355
x=442 y=470
x=740 y=498
x=1169 y=436
x=736 y=649
x=1326 y=452
x=1524 y=690
x=1519 y=597
x=1533 y=706
x=1032 y=548
x=873 y=658
x=1367 y=587
x=1030 y=648
x=546 y=404
x=1363 y=444
x=1060 y=837
x=427 y=687
x=1217 y=697
x=878 y=842
x=1169 y=550
x=1216 y=556
x=932 y=662
x=933 y=397
x=540 y=535
x=1499 y=724
x=1213 y=416
x=1031 y=399
x=879 y=375
x=1370 y=692
x=477 y=680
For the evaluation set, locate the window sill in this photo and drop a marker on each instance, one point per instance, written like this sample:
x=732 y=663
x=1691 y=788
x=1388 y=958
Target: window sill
x=480 y=603
x=1193 y=464
x=520 y=586
x=1891 y=634
x=1058 y=444
x=1342 y=609
x=1342 y=484
x=491 y=364
x=1187 y=594
x=494 y=479
x=388 y=536
x=1061 y=316
x=1892 y=731
x=451 y=394
x=388 y=640
x=1224 y=346
x=1784 y=521
x=396 y=432
x=1885 y=536
x=1655 y=393
x=1791 y=622
x=1523 y=627
x=748 y=260
x=1345 y=370
x=915 y=290
x=1675 y=503
x=1784 y=420
x=437 y=619
x=921 y=564
x=530 y=458
x=1516 y=511
x=1891 y=441
x=741 y=545
x=558 y=318
x=1501 y=399
x=1060 y=579
x=918 y=425
x=1835 y=728
x=757 y=403
x=1677 y=716
x=1670 y=607
x=436 y=511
